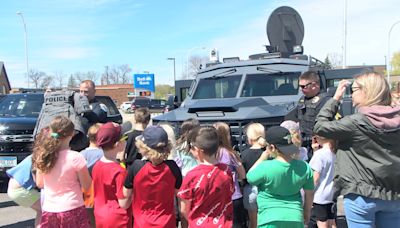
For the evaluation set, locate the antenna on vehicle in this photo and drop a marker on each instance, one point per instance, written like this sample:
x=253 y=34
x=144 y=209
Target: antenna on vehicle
x=285 y=31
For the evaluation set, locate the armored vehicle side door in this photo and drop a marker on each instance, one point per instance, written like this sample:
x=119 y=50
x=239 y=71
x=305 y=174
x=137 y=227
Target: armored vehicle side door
x=330 y=80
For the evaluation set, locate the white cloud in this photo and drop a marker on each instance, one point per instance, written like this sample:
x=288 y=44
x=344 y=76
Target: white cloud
x=70 y=53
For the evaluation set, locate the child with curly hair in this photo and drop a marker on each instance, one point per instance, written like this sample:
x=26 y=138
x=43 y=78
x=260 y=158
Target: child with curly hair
x=61 y=172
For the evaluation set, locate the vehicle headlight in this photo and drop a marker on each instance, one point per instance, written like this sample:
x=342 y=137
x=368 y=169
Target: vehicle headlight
x=3 y=128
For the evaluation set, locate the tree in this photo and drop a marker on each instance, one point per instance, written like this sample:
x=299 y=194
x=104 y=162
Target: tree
x=90 y=75
x=163 y=90
x=35 y=76
x=328 y=62
x=335 y=59
x=71 y=82
x=47 y=81
x=194 y=64
x=105 y=77
x=79 y=76
x=119 y=74
x=58 y=79
x=395 y=63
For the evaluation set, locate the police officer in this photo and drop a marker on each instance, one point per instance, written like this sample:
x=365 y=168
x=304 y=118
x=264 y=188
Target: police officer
x=308 y=107
x=99 y=110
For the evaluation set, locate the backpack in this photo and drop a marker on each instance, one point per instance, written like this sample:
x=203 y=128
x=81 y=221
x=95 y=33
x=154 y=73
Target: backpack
x=63 y=103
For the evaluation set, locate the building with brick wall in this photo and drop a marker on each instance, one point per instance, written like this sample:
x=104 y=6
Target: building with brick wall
x=118 y=92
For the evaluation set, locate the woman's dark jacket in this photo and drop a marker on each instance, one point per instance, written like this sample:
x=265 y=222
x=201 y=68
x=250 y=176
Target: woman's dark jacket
x=368 y=154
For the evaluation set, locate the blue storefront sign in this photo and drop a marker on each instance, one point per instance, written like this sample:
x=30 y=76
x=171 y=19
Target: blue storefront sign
x=144 y=81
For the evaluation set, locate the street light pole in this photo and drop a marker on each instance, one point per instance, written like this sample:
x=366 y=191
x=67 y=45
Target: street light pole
x=388 y=65
x=344 y=34
x=26 y=46
x=187 y=59
x=173 y=59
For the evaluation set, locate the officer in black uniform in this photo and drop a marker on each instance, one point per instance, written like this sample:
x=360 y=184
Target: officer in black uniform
x=308 y=107
x=99 y=110
x=97 y=113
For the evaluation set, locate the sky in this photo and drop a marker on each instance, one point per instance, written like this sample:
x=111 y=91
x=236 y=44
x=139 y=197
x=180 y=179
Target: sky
x=72 y=36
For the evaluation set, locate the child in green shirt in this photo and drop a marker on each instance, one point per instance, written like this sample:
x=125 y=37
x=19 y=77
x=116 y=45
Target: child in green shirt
x=279 y=182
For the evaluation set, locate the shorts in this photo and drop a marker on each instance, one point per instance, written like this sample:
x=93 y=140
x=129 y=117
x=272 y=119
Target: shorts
x=76 y=218
x=323 y=212
x=250 y=193
x=23 y=196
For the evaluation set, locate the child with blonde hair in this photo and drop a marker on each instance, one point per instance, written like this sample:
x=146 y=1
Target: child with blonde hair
x=153 y=182
x=226 y=155
x=255 y=133
x=61 y=172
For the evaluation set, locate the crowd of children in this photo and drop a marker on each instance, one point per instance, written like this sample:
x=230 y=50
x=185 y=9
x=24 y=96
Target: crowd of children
x=142 y=177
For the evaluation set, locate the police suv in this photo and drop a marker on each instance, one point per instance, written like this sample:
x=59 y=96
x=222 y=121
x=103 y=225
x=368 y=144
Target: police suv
x=18 y=116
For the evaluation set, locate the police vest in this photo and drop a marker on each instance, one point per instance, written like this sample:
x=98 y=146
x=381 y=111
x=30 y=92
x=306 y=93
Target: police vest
x=307 y=111
x=62 y=103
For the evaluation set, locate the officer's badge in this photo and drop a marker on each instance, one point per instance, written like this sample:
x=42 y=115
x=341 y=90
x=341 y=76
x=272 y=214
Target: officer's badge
x=315 y=99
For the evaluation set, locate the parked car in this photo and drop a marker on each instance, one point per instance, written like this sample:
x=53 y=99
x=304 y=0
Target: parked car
x=154 y=105
x=126 y=106
x=18 y=116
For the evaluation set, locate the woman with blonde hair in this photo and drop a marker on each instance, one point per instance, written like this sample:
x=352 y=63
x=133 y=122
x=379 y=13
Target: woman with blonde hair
x=368 y=157
x=227 y=155
x=255 y=133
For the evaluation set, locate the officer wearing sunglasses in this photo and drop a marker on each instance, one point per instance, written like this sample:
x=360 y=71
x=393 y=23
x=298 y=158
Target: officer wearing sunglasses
x=308 y=107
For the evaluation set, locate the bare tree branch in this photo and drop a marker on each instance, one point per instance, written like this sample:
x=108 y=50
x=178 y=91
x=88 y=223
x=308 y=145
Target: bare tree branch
x=35 y=76
x=47 y=81
x=59 y=78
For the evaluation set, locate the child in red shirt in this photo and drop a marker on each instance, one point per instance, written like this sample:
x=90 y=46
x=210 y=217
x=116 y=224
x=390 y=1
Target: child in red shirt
x=153 y=181
x=111 y=207
x=206 y=192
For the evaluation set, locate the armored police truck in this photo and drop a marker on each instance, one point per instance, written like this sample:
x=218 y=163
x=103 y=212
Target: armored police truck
x=262 y=89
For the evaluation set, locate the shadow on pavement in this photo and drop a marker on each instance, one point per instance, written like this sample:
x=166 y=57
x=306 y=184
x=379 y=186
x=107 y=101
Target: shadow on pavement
x=27 y=223
x=8 y=204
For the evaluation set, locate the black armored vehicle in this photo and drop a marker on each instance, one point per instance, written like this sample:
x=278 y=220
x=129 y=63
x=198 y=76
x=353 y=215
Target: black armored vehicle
x=262 y=89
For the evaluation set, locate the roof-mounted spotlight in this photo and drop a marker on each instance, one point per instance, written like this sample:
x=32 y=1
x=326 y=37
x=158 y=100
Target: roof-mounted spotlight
x=298 y=49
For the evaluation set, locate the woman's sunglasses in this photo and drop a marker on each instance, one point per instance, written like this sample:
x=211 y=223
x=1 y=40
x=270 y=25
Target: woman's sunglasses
x=353 y=89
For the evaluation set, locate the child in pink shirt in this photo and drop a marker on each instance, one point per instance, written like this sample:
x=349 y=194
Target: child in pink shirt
x=61 y=172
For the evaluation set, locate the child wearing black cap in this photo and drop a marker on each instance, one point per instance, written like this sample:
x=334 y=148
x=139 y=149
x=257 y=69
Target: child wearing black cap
x=153 y=181
x=279 y=182
x=111 y=207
